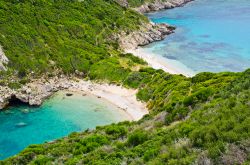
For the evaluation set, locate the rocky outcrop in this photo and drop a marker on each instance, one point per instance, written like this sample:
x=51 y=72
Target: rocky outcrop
x=123 y=3
x=35 y=92
x=148 y=33
x=160 y=4
x=155 y=5
x=3 y=59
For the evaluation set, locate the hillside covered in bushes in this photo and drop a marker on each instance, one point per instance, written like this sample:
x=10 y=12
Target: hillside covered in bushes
x=200 y=120
x=204 y=119
x=41 y=36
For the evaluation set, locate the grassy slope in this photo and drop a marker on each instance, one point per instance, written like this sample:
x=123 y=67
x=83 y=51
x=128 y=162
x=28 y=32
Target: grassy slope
x=191 y=119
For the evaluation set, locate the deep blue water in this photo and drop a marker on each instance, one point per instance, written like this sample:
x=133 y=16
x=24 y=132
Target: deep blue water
x=22 y=125
x=211 y=35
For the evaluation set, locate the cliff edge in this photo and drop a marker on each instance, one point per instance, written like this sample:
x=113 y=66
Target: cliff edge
x=3 y=59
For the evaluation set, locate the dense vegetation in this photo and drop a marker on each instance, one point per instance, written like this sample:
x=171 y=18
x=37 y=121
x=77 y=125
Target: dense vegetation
x=40 y=36
x=199 y=120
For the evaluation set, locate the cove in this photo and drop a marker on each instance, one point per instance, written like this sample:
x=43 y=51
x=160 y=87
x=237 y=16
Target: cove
x=22 y=125
x=211 y=35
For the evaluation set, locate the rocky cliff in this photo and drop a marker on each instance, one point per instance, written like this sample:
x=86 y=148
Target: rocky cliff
x=148 y=33
x=160 y=4
x=3 y=59
x=35 y=92
x=155 y=5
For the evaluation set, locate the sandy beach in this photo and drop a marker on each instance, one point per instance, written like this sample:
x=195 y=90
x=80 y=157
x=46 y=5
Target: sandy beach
x=35 y=92
x=158 y=62
x=123 y=98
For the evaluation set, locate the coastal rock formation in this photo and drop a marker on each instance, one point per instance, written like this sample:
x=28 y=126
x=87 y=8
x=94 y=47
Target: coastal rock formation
x=3 y=59
x=150 y=32
x=33 y=93
x=159 y=5
x=147 y=34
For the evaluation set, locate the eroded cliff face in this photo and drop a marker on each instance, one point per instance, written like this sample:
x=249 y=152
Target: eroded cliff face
x=3 y=59
x=148 y=33
x=160 y=4
x=34 y=92
x=155 y=5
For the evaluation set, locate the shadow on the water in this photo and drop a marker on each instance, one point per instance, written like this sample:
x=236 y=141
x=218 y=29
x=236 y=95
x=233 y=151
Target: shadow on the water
x=14 y=101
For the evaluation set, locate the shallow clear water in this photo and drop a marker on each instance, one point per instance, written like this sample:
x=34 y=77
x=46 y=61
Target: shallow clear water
x=59 y=116
x=211 y=35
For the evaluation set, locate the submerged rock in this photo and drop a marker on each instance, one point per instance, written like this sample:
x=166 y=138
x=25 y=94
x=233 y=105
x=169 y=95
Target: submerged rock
x=69 y=94
x=8 y=112
x=21 y=124
x=25 y=111
x=97 y=109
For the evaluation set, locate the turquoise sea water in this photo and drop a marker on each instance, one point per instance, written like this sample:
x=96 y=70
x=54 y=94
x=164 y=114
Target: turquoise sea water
x=59 y=116
x=211 y=35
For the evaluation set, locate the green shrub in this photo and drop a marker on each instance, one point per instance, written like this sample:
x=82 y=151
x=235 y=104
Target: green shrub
x=150 y=154
x=201 y=77
x=137 y=137
x=189 y=100
x=42 y=160
x=203 y=94
x=116 y=131
x=135 y=59
x=14 y=85
x=134 y=79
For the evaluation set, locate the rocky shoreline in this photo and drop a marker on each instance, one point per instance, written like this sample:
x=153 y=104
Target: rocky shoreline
x=150 y=32
x=147 y=34
x=35 y=92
